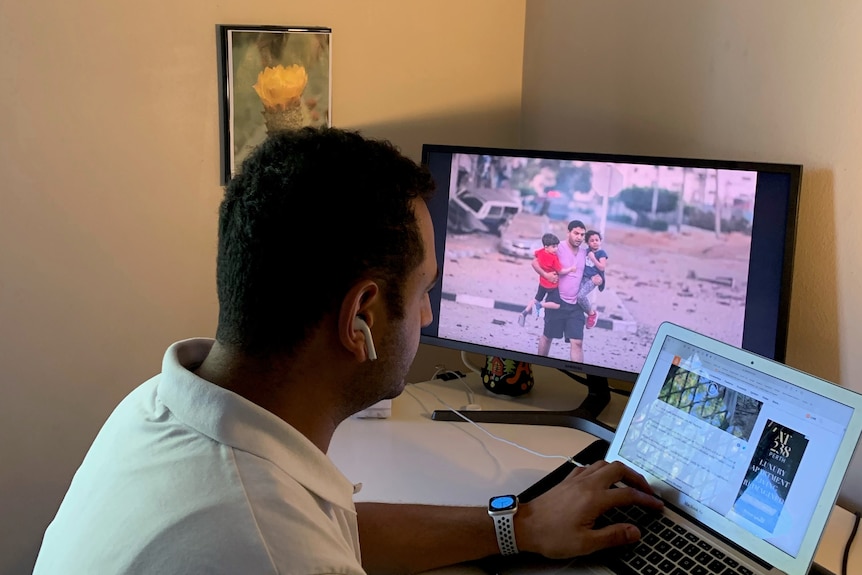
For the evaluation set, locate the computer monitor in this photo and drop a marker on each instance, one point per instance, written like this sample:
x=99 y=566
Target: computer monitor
x=703 y=243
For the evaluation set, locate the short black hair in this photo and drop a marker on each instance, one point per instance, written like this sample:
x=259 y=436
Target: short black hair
x=310 y=213
x=576 y=224
x=591 y=233
x=550 y=240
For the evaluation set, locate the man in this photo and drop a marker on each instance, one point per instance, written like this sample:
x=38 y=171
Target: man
x=218 y=464
x=568 y=321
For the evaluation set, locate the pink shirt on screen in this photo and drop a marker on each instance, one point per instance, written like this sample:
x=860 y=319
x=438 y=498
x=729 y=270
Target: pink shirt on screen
x=570 y=283
x=548 y=262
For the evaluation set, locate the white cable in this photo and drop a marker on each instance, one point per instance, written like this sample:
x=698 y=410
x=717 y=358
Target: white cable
x=469 y=364
x=485 y=431
x=460 y=378
x=419 y=401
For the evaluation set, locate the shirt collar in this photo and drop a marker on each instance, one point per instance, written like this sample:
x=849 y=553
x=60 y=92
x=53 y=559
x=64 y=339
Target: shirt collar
x=235 y=421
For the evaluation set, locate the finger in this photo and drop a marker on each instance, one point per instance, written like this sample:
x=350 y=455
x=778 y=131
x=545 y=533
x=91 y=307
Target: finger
x=607 y=474
x=610 y=536
x=578 y=470
x=625 y=496
x=615 y=472
x=635 y=479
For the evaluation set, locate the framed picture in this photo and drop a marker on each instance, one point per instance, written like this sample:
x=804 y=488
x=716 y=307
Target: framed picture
x=270 y=78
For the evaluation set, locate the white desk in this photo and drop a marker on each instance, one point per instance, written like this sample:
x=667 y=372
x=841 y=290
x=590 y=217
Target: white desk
x=409 y=458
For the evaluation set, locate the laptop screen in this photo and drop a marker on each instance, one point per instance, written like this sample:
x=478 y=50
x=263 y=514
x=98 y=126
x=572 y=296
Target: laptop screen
x=742 y=444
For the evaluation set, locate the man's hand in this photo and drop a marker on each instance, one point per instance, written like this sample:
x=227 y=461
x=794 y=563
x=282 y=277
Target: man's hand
x=550 y=276
x=597 y=280
x=559 y=523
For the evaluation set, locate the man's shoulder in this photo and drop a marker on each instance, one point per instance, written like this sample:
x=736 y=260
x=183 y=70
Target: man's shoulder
x=249 y=515
x=182 y=522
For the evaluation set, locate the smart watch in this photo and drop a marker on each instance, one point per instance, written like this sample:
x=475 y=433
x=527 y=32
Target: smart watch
x=502 y=509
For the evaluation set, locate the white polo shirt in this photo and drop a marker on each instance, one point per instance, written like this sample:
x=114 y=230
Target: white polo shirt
x=187 y=477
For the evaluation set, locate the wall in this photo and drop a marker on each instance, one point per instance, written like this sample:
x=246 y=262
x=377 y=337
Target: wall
x=109 y=151
x=110 y=159
x=774 y=80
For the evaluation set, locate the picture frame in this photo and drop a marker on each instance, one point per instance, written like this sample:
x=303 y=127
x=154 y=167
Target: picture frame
x=270 y=78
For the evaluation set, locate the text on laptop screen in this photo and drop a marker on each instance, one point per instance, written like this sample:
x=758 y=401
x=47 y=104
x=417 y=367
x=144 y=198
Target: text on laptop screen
x=736 y=441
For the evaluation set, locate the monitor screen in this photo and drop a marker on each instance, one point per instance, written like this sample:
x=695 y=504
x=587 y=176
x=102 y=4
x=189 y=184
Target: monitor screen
x=706 y=244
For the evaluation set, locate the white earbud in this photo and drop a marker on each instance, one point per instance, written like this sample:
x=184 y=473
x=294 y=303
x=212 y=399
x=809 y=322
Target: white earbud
x=359 y=323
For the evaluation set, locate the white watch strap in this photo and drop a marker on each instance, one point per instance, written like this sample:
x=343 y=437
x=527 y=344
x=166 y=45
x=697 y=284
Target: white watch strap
x=505 y=530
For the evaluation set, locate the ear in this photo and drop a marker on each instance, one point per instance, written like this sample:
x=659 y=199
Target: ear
x=364 y=301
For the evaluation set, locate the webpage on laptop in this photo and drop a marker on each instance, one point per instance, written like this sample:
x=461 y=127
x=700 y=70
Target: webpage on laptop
x=736 y=442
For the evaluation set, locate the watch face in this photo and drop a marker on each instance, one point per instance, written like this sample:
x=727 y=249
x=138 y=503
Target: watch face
x=502 y=503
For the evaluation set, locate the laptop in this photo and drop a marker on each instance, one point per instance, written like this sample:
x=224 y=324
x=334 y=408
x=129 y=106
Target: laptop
x=747 y=453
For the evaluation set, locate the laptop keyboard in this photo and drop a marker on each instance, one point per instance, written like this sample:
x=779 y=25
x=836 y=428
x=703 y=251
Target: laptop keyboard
x=668 y=548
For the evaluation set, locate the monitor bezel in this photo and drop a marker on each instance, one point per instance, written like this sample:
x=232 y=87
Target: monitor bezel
x=793 y=171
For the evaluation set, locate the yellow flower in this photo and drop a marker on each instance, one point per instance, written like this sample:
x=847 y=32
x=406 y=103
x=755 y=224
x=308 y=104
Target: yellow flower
x=279 y=87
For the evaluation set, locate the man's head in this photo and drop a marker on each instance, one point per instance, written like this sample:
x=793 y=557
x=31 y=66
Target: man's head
x=312 y=214
x=577 y=229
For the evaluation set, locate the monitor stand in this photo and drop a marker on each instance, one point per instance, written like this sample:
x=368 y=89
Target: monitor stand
x=583 y=418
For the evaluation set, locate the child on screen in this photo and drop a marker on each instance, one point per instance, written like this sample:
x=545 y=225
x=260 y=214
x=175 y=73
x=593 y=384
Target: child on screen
x=594 y=264
x=549 y=262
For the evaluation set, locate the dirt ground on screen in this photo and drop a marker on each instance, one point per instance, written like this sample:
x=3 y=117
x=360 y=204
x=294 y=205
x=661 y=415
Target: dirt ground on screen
x=690 y=278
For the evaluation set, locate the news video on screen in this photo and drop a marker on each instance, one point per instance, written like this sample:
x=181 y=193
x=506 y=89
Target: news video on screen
x=677 y=242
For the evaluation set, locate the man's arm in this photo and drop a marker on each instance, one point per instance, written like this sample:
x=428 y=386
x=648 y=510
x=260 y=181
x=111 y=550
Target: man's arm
x=550 y=276
x=404 y=538
x=398 y=538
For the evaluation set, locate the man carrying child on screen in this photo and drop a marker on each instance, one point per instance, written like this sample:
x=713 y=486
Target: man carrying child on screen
x=569 y=320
